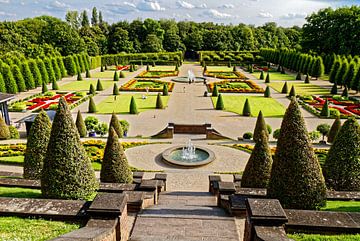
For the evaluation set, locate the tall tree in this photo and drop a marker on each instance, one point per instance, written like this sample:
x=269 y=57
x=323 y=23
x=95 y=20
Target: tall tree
x=84 y=19
x=94 y=17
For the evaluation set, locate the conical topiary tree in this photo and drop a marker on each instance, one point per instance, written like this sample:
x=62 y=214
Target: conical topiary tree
x=54 y=85
x=92 y=106
x=342 y=166
x=284 y=89
x=10 y=82
x=4 y=130
x=67 y=172
x=292 y=92
x=92 y=90
x=49 y=69
x=80 y=125
x=345 y=93
x=116 y=90
x=165 y=90
x=2 y=84
x=334 y=89
x=36 y=146
x=159 y=103
x=296 y=178
x=56 y=68
x=261 y=75
x=220 y=103
x=114 y=123
x=87 y=73
x=42 y=69
x=70 y=65
x=133 y=107
x=115 y=167
x=325 y=111
x=298 y=76
x=307 y=79
x=79 y=77
x=267 y=80
x=215 y=91
x=61 y=65
x=99 y=86
x=122 y=74
x=334 y=130
x=258 y=168
x=267 y=92
x=20 y=82
x=246 y=109
x=116 y=76
x=259 y=127
x=44 y=88
x=28 y=77
x=35 y=72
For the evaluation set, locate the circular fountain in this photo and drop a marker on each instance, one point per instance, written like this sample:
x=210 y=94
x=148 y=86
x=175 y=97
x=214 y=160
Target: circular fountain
x=190 y=78
x=188 y=156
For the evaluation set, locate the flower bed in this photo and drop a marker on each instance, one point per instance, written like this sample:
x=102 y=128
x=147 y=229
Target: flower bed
x=339 y=106
x=121 y=68
x=224 y=74
x=157 y=74
x=142 y=85
x=236 y=86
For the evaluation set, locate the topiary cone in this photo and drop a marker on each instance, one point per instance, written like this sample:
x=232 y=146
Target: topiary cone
x=298 y=76
x=267 y=80
x=115 y=167
x=334 y=130
x=44 y=88
x=99 y=86
x=284 y=89
x=116 y=76
x=215 y=91
x=133 y=107
x=267 y=93
x=292 y=92
x=325 y=111
x=165 y=90
x=345 y=93
x=55 y=85
x=341 y=168
x=303 y=186
x=147 y=67
x=307 y=79
x=87 y=74
x=79 y=77
x=261 y=75
x=159 y=103
x=116 y=90
x=258 y=168
x=246 y=109
x=220 y=103
x=122 y=75
x=92 y=106
x=101 y=69
x=92 y=90
x=67 y=172
x=36 y=146
x=334 y=89
x=114 y=123
x=259 y=127
x=80 y=125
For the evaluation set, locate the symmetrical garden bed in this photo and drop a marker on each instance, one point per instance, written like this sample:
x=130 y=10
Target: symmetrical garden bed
x=236 y=86
x=149 y=85
x=224 y=74
x=339 y=106
x=48 y=101
x=158 y=74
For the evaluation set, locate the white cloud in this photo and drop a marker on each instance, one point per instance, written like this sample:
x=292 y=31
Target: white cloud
x=150 y=5
x=58 y=6
x=203 y=5
x=4 y=1
x=294 y=15
x=121 y=8
x=217 y=15
x=228 y=6
x=7 y=14
x=183 y=4
x=263 y=14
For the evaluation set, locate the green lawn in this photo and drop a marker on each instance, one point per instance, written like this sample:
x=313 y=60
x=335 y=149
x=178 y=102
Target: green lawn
x=219 y=68
x=342 y=206
x=162 y=68
x=318 y=237
x=276 y=76
x=122 y=103
x=268 y=106
x=108 y=74
x=300 y=88
x=19 y=192
x=12 y=160
x=14 y=228
x=84 y=85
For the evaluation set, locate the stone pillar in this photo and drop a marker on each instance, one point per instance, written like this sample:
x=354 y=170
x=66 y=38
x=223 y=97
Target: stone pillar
x=213 y=183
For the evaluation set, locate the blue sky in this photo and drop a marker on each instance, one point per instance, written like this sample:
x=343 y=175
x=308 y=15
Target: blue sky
x=257 y=12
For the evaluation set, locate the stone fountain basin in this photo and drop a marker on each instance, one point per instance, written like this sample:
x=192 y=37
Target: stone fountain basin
x=186 y=79
x=166 y=155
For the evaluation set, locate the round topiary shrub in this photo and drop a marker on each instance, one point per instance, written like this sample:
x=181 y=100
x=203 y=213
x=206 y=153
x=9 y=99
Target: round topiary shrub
x=4 y=130
x=36 y=146
x=247 y=136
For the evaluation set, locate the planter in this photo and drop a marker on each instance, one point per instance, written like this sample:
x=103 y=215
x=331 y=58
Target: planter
x=92 y=134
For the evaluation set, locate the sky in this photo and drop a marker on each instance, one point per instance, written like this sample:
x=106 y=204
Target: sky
x=257 y=12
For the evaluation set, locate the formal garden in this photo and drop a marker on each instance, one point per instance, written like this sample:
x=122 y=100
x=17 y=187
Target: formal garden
x=146 y=85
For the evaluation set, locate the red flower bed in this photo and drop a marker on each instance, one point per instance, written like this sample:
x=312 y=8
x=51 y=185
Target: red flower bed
x=125 y=67
x=40 y=103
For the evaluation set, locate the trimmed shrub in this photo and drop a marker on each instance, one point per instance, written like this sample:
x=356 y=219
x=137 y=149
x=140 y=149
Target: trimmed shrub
x=43 y=71
x=298 y=76
x=296 y=178
x=276 y=134
x=92 y=90
x=87 y=74
x=159 y=103
x=258 y=168
x=325 y=111
x=334 y=89
x=247 y=136
x=67 y=171
x=79 y=77
x=345 y=93
x=80 y=125
x=116 y=76
x=133 y=107
x=334 y=69
x=49 y=69
x=116 y=90
x=10 y=82
x=334 y=130
x=234 y=68
x=215 y=91
x=4 y=130
x=99 y=86
x=44 y=88
x=165 y=90
x=56 y=68
x=2 y=84
x=101 y=129
x=14 y=133
x=282 y=70
x=147 y=67
x=36 y=146
x=91 y=122
x=115 y=167
x=292 y=92
x=131 y=68
x=35 y=72
x=267 y=92
x=246 y=110
x=261 y=75
x=307 y=79
x=318 y=68
x=267 y=80
x=220 y=103
x=342 y=166
x=115 y=123
x=323 y=129
x=55 y=85
x=61 y=65
x=122 y=75
x=260 y=126
x=284 y=89
x=101 y=69
x=20 y=82
x=27 y=75
x=70 y=65
x=92 y=106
